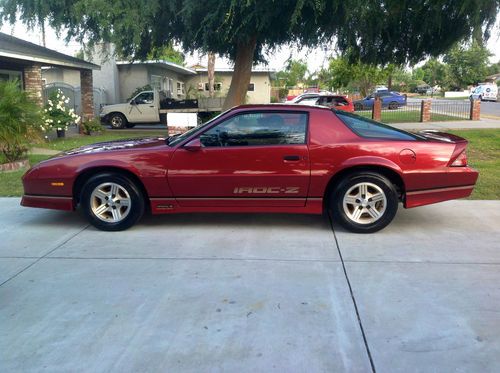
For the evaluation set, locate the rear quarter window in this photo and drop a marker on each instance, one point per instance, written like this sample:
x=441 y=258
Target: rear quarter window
x=373 y=130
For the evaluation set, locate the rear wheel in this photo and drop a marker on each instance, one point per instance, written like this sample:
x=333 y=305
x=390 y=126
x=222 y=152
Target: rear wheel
x=117 y=121
x=393 y=105
x=111 y=202
x=364 y=202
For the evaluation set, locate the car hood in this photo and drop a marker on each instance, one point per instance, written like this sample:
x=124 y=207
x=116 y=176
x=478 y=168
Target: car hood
x=109 y=108
x=126 y=144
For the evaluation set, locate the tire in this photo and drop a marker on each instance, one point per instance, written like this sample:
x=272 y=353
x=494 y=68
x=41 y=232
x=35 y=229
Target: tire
x=358 y=107
x=130 y=125
x=393 y=105
x=361 y=214
x=111 y=202
x=117 y=121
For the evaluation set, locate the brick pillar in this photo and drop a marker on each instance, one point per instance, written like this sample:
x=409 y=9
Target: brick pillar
x=86 y=86
x=377 y=109
x=475 y=110
x=32 y=77
x=425 y=111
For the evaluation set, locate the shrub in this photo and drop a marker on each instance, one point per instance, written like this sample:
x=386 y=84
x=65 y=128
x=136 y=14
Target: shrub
x=20 y=121
x=56 y=115
x=92 y=126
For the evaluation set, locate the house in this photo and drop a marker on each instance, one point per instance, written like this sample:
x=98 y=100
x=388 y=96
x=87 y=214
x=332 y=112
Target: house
x=117 y=79
x=24 y=61
x=259 y=89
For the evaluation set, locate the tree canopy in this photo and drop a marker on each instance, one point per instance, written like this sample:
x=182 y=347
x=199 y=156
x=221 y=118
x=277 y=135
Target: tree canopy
x=372 y=31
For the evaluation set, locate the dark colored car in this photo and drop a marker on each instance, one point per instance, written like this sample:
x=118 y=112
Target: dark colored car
x=390 y=100
x=260 y=158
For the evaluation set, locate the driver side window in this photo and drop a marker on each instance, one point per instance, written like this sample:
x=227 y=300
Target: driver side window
x=267 y=128
x=144 y=98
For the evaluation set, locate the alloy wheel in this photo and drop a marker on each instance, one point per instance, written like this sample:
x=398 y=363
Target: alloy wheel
x=364 y=203
x=110 y=202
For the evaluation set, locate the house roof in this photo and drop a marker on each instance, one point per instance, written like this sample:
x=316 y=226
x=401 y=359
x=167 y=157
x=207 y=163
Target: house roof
x=162 y=64
x=18 y=49
x=230 y=70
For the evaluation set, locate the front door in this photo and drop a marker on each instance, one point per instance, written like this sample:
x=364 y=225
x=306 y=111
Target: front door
x=142 y=109
x=252 y=159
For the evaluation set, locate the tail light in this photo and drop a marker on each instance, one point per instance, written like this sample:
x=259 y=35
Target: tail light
x=461 y=160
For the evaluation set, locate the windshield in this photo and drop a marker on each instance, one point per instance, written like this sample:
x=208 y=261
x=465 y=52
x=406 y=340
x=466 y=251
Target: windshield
x=172 y=141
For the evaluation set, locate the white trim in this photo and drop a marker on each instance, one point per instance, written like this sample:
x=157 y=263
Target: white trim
x=84 y=65
x=166 y=64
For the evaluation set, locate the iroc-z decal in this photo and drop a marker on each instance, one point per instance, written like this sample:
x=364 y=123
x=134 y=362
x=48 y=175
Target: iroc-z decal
x=266 y=190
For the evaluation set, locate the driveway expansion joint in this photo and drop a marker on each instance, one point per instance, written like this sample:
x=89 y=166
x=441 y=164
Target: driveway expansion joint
x=45 y=255
x=365 y=341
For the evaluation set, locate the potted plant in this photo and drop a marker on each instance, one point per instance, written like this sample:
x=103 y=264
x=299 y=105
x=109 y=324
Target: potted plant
x=20 y=120
x=57 y=116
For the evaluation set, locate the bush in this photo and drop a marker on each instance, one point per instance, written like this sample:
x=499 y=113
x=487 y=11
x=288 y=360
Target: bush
x=56 y=115
x=20 y=121
x=93 y=125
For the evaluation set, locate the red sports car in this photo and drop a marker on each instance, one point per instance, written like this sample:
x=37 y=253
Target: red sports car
x=259 y=158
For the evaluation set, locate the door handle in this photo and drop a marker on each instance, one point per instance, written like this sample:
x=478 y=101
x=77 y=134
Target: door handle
x=291 y=158
x=151 y=106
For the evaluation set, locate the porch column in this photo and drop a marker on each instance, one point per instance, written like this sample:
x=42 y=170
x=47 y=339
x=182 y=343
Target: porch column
x=86 y=86
x=32 y=77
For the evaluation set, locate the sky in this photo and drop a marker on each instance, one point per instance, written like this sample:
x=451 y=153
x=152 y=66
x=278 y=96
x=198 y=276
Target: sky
x=316 y=57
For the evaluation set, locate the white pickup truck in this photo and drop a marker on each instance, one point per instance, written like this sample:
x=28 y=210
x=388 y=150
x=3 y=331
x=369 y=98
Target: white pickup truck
x=150 y=107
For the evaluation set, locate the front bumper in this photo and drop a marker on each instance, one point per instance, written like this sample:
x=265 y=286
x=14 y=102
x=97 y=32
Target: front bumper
x=48 y=202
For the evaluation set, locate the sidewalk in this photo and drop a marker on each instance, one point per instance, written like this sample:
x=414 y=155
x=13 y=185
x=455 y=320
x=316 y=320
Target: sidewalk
x=462 y=125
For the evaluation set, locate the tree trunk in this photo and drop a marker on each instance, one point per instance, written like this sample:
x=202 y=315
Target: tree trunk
x=389 y=82
x=211 y=73
x=241 y=75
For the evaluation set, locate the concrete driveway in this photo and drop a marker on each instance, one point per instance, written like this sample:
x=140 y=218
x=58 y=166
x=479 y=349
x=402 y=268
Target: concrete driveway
x=251 y=293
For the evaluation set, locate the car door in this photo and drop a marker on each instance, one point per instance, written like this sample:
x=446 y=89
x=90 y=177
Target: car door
x=251 y=159
x=142 y=109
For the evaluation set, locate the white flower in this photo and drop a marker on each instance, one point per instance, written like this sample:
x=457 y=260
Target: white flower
x=66 y=101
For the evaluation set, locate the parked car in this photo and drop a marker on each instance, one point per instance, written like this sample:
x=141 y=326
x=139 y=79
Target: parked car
x=295 y=99
x=329 y=100
x=390 y=99
x=485 y=91
x=258 y=158
x=145 y=107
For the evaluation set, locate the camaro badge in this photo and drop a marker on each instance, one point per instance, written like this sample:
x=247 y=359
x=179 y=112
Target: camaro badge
x=266 y=190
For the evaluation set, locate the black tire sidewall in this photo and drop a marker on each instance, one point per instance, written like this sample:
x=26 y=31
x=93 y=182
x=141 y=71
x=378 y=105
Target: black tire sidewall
x=122 y=117
x=137 y=201
x=336 y=202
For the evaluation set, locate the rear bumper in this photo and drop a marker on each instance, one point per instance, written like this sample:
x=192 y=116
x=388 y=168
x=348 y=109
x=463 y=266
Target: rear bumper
x=48 y=202
x=462 y=182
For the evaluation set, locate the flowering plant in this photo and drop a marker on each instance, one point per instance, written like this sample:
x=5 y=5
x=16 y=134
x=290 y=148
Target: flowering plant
x=56 y=115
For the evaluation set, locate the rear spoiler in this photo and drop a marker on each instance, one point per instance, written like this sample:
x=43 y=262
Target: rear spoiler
x=442 y=136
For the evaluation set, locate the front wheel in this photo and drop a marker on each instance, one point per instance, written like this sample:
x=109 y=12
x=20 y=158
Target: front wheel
x=111 y=202
x=117 y=121
x=364 y=202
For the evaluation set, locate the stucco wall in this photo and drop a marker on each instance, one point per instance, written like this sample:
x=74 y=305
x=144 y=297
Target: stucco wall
x=261 y=81
x=59 y=75
x=130 y=78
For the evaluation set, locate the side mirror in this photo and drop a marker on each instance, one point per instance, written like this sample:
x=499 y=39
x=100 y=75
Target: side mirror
x=133 y=102
x=194 y=145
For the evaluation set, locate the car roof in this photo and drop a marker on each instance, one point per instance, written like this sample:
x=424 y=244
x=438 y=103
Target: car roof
x=279 y=106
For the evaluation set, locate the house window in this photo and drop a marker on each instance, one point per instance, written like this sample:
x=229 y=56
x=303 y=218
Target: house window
x=251 y=87
x=180 y=89
x=11 y=75
x=156 y=82
x=217 y=87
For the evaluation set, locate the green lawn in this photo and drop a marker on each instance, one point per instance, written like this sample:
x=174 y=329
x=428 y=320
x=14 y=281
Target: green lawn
x=10 y=181
x=67 y=143
x=401 y=116
x=483 y=154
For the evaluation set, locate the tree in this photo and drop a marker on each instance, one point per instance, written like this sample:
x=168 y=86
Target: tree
x=378 y=31
x=434 y=72
x=467 y=64
x=166 y=53
x=294 y=73
x=341 y=74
